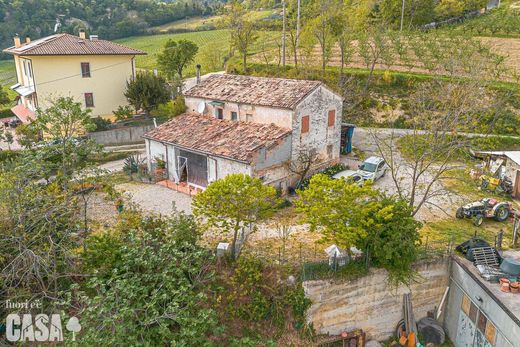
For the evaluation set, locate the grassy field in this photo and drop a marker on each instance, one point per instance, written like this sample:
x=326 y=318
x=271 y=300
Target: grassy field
x=197 y=23
x=7 y=72
x=213 y=39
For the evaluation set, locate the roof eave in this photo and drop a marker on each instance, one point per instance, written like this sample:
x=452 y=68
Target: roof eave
x=197 y=151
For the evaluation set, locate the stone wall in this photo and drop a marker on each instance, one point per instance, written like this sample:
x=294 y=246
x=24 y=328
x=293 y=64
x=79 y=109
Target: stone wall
x=121 y=136
x=370 y=303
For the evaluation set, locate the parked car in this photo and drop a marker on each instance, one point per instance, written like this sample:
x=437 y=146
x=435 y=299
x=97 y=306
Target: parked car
x=373 y=168
x=349 y=174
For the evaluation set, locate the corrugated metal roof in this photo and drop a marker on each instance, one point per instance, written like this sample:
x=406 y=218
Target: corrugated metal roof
x=66 y=44
x=223 y=138
x=262 y=91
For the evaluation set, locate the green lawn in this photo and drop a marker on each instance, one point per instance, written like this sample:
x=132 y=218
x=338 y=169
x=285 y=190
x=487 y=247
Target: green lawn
x=153 y=44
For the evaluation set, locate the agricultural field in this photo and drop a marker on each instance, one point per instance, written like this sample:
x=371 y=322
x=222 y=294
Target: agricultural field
x=207 y=22
x=206 y=40
x=7 y=72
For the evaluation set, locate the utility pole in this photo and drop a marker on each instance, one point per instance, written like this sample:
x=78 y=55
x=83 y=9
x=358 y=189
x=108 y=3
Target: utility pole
x=283 y=34
x=402 y=16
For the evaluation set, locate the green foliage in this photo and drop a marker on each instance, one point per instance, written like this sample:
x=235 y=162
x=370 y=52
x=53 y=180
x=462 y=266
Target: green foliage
x=152 y=293
x=341 y=210
x=101 y=124
x=147 y=91
x=257 y=292
x=322 y=270
x=416 y=13
x=392 y=243
x=132 y=164
x=63 y=153
x=176 y=55
x=349 y=215
x=123 y=112
x=171 y=109
x=124 y=17
x=330 y=171
x=235 y=202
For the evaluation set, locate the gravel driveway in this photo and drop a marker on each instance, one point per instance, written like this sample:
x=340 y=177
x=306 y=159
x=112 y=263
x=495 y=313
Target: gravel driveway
x=156 y=198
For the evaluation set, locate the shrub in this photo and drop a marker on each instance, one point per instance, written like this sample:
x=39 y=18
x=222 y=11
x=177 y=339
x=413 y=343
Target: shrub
x=124 y=112
x=102 y=124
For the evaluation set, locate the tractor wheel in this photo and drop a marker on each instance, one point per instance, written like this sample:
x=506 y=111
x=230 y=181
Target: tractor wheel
x=502 y=213
x=478 y=220
x=460 y=213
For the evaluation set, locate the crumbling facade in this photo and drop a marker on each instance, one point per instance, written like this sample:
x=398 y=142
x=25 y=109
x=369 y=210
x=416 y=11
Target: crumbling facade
x=258 y=126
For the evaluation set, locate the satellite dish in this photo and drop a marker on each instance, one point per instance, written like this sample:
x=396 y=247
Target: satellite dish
x=201 y=107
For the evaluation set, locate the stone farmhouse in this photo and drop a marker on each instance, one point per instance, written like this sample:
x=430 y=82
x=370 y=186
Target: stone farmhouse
x=253 y=125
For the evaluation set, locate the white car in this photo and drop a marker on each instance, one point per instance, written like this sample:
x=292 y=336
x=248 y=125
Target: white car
x=346 y=174
x=373 y=168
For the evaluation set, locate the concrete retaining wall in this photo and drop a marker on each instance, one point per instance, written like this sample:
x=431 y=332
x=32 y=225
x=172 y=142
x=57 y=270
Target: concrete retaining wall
x=121 y=136
x=370 y=304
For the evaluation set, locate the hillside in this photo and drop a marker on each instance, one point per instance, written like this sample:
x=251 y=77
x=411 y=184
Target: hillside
x=213 y=45
x=109 y=19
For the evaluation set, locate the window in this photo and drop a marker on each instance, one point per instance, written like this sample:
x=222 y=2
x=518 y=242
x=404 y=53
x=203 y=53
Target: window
x=85 y=70
x=249 y=116
x=332 y=118
x=220 y=113
x=305 y=124
x=234 y=116
x=89 y=100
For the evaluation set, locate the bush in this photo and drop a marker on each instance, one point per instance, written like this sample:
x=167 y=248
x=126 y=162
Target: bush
x=124 y=112
x=330 y=171
x=171 y=108
x=102 y=124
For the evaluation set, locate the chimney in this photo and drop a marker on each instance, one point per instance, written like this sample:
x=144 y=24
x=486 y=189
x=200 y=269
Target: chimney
x=198 y=73
x=82 y=34
x=27 y=39
x=17 y=42
x=94 y=37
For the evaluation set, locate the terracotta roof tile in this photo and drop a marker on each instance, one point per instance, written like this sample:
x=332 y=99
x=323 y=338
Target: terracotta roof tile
x=223 y=138
x=66 y=44
x=262 y=91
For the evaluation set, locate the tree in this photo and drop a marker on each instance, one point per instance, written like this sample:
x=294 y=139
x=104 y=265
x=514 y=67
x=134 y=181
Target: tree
x=392 y=243
x=234 y=203
x=175 y=56
x=154 y=291
x=320 y=26
x=350 y=215
x=440 y=111
x=416 y=12
x=63 y=122
x=342 y=31
x=339 y=209
x=301 y=167
x=146 y=92
x=242 y=30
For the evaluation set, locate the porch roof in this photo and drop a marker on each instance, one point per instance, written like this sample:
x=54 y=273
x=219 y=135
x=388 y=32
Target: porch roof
x=234 y=140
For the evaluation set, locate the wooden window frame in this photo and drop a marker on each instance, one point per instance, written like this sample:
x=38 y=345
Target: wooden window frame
x=236 y=115
x=220 y=113
x=331 y=118
x=86 y=74
x=305 y=126
x=92 y=104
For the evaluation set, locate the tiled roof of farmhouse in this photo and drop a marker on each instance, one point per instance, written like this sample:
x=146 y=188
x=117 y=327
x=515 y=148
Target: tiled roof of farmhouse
x=223 y=138
x=263 y=91
x=66 y=44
